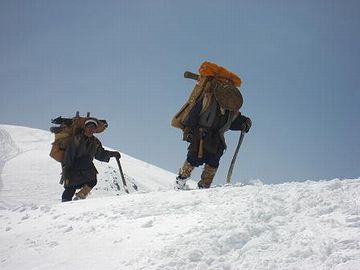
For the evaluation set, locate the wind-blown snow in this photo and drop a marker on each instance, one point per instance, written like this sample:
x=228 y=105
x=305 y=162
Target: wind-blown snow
x=309 y=225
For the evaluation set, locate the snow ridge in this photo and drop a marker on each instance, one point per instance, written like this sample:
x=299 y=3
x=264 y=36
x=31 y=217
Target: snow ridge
x=311 y=225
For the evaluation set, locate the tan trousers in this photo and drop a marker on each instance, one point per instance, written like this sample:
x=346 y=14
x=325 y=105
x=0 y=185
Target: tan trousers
x=185 y=171
x=207 y=176
x=84 y=192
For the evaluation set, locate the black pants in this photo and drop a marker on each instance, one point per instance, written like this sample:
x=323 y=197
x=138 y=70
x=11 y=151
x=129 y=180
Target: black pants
x=69 y=192
x=210 y=159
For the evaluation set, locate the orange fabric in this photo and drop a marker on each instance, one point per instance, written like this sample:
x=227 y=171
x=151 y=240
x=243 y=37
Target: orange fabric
x=221 y=73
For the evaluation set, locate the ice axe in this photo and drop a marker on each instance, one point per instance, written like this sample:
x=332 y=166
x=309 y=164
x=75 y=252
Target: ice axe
x=231 y=168
x=122 y=175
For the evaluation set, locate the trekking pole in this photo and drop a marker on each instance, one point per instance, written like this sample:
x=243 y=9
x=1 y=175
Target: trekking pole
x=122 y=176
x=231 y=168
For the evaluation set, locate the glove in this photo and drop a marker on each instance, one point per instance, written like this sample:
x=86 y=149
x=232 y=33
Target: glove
x=245 y=127
x=115 y=154
x=187 y=135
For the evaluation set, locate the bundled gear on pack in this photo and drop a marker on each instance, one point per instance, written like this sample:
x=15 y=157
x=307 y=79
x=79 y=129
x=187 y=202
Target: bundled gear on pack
x=213 y=80
x=76 y=148
x=211 y=109
x=67 y=128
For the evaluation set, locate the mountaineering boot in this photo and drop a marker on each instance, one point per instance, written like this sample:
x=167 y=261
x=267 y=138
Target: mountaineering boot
x=207 y=176
x=180 y=183
x=83 y=193
x=184 y=174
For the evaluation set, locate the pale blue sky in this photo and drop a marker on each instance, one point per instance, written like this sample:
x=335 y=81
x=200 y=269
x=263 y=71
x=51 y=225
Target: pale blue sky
x=124 y=60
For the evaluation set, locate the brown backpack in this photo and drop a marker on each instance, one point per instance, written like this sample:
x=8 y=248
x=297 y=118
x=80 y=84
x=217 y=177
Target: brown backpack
x=216 y=81
x=67 y=129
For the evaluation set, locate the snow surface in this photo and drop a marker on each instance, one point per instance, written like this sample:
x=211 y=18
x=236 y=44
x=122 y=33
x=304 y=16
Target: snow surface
x=308 y=225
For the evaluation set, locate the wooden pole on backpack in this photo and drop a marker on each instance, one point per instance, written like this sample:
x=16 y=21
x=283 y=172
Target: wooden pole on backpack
x=201 y=144
x=190 y=75
x=231 y=168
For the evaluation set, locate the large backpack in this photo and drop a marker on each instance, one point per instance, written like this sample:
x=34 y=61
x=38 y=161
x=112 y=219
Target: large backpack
x=67 y=128
x=213 y=81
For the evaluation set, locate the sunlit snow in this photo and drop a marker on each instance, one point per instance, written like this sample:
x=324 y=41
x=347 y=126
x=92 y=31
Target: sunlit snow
x=298 y=225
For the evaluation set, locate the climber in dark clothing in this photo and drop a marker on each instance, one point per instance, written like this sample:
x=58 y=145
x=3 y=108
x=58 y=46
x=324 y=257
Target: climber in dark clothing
x=205 y=127
x=79 y=172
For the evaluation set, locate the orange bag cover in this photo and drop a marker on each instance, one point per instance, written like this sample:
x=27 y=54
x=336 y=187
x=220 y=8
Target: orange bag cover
x=213 y=70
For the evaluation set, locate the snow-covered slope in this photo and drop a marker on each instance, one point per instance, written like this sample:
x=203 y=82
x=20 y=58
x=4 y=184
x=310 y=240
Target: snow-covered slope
x=30 y=175
x=309 y=225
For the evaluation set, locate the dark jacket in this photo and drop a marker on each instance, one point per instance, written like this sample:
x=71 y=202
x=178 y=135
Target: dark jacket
x=78 y=165
x=214 y=141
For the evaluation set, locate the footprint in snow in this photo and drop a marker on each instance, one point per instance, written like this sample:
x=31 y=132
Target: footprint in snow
x=68 y=229
x=25 y=217
x=195 y=255
x=147 y=224
x=353 y=222
x=117 y=241
x=53 y=244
